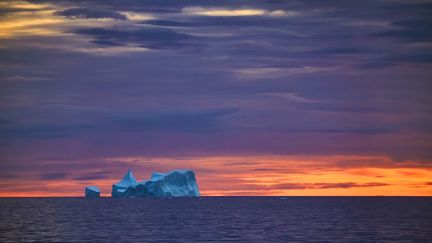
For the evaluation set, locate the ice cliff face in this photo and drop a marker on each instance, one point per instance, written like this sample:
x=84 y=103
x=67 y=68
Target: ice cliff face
x=92 y=191
x=177 y=183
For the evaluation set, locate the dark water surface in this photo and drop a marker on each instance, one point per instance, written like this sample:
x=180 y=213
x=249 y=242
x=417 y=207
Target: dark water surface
x=242 y=219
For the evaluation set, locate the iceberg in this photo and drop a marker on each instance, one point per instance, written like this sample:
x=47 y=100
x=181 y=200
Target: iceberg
x=92 y=191
x=176 y=183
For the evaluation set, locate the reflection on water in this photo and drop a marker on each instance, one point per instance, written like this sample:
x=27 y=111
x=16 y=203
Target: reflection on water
x=244 y=219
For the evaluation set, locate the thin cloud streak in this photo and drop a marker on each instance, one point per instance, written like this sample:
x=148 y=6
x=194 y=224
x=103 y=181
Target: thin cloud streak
x=220 y=12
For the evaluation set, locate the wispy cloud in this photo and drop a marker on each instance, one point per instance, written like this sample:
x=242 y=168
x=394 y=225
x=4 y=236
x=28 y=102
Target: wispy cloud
x=54 y=176
x=275 y=72
x=308 y=186
x=290 y=96
x=24 y=78
x=225 y=12
x=137 y=16
x=92 y=13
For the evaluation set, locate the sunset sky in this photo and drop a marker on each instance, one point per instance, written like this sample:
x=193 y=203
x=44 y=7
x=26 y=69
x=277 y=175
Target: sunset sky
x=257 y=97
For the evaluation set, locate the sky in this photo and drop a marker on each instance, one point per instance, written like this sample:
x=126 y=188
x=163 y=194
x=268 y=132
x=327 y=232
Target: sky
x=257 y=97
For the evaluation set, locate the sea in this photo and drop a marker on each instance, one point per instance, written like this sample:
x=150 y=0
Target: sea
x=217 y=219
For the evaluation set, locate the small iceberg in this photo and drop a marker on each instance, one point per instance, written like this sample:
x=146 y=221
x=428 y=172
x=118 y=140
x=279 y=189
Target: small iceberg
x=92 y=191
x=176 y=183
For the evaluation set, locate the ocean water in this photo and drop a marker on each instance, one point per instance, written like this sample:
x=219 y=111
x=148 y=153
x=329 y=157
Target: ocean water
x=241 y=219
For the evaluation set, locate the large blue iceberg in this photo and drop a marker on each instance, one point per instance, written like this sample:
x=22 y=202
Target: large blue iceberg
x=177 y=183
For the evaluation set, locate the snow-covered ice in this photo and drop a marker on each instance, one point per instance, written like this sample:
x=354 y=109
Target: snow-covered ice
x=176 y=183
x=92 y=191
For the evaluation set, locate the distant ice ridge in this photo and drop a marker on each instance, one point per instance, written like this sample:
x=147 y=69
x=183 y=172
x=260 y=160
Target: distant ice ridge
x=92 y=191
x=176 y=183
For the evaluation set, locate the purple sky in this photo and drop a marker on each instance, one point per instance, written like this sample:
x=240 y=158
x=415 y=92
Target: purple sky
x=83 y=81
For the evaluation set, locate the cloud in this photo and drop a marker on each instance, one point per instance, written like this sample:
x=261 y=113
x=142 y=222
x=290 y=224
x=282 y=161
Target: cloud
x=264 y=169
x=24 y=78
x=43 y=131
x=91 y=13
x=171 y=23
x=153 y=38
x=136 y=16
x=197 y=121
x=290 y=96
x=208 y=21
x=276 y=72
x=17 y=5
x=49 y=21
x=415 y=30
x=410 y=57
x=224 y=12
x=54 y=176
x=35 y=23
x=108 y=121
x=92 y=176
x=307 y=186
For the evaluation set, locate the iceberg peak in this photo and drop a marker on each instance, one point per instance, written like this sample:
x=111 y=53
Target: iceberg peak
x=127 y=180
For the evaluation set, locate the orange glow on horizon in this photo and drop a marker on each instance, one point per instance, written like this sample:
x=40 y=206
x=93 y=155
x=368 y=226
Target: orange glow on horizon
x=259 y=176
